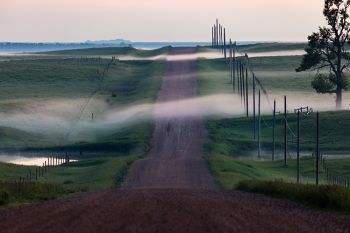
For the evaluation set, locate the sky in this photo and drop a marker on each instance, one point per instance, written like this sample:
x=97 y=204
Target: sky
x=157 y=20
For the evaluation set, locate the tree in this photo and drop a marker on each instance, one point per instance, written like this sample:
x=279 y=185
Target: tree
x=326 y=51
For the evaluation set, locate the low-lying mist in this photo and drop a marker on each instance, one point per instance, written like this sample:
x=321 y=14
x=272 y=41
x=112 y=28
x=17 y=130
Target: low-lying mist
x=63 y=117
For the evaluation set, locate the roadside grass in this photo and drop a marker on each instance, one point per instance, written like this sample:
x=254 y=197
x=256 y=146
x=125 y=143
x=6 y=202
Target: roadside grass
x=28 y=192
x=324 y=197
x=228 y=171
x=100 y=172
x=104 y=172
x=235 y=137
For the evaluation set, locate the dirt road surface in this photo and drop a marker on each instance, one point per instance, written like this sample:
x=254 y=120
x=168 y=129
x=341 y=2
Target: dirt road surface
x=175 y=158
x=171 y=190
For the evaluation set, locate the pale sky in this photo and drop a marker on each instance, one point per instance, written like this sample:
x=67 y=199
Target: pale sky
x=157 y=20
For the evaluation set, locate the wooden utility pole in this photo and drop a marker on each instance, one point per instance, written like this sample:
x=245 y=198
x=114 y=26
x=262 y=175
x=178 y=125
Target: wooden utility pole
x=225 y=55
x=317 y=148
x=241 y=83
x=231 y=63
x=254 y=112
x=217 y=32
x=234 y=67
x=259 y=129
x=239 y=78
x=298 y=150
x=274 y=131
x=247 y=92
x=285 y=131
x=243 y=87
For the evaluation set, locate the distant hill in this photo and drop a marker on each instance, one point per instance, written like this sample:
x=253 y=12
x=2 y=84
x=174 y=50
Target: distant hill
x=120 y=42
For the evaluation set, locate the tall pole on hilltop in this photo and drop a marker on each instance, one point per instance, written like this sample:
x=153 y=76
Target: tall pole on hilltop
x=317 y=147
x=247 y=91
x=298 y=149
x=259 y=129
x=234 y=66
x=212 y=36
x=216 y=36
x=239 y=77
x=243 y=87
x=254 y=112
x=285 y=131
x=274 y=131
x=225 y=46
x=231 y=61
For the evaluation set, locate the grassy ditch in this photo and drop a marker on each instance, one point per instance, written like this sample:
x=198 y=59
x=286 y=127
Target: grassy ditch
x=324 y=197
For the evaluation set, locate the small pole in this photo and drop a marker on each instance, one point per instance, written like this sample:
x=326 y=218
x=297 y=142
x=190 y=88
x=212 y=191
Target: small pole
x=317 y=147
x=243 y=86
x=259 y=129
x=274 y=131
x=247 y=92
x=239 y=78
x=231 y=60
x=234 y=67
x=225 y=46
x=285 y=131
x=254 y=112
x=298 y=150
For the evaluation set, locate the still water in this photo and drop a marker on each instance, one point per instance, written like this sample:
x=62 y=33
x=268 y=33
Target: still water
x=27 y=160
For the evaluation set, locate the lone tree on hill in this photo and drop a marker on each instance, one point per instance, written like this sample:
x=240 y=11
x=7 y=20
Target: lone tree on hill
x=327 y=51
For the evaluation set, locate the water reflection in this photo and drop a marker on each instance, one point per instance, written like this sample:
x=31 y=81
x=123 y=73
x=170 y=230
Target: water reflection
x=31 y=161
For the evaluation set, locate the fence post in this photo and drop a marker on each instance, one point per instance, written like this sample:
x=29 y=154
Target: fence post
x=285 y=131
x=274 y=131
x=317 y=147
x=259 y=129
x=298 y=150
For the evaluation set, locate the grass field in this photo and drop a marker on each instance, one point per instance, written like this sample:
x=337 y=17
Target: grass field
x=46 y=103
x=232 y=151
x=276 y=74
x=112 y=51
x=63 y=91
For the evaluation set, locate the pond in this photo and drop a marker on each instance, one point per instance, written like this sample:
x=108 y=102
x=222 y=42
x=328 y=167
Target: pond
x=24 y=160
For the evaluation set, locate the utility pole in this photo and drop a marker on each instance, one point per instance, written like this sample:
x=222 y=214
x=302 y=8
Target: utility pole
x=247 y=92
x=231 y=60
x=254 y=112
x=217 y=32
x=298 y=150
x=234 y=67
x=285 y=131
x=317 y=148
x=274 y=131
x=239 y=78
x=243 y=87
x=225 y=46
x=259 y=129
